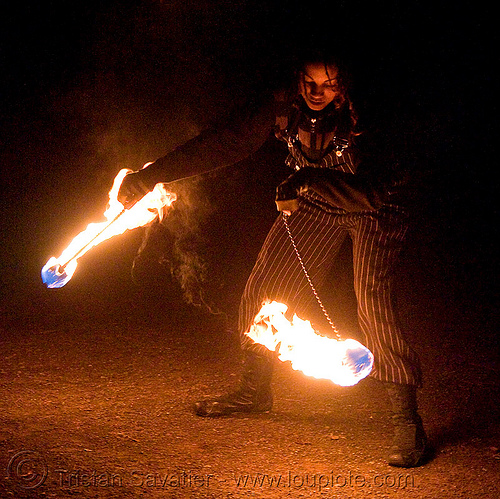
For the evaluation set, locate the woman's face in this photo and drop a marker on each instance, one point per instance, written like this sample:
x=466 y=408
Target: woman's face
x=319 y=85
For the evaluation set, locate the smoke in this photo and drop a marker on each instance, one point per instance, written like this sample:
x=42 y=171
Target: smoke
x=177 y=249
x=188 y=265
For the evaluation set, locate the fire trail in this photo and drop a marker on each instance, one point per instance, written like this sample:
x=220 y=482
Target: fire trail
x=58 y=271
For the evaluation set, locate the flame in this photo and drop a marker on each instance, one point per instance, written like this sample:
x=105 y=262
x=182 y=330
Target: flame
x=58 y=271
x=345 y=362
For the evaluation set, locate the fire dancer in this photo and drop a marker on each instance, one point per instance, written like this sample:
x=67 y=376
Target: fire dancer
x=339 y=188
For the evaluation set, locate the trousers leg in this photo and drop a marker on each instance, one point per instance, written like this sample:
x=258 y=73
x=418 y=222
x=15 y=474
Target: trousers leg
x=277 y=274
x=377 y=244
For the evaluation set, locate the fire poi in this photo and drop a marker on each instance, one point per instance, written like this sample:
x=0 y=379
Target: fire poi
x=58 y=271
x=345 y=362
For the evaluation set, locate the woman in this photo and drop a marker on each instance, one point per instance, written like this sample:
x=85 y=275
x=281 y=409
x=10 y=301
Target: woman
x=339 y=188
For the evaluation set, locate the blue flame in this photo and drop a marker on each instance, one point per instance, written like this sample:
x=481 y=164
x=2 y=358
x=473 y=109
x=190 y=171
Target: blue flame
x=360 y=361
x=54 y=276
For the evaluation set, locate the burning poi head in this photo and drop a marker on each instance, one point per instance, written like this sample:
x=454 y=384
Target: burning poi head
x=58 y=271
x=345 y=362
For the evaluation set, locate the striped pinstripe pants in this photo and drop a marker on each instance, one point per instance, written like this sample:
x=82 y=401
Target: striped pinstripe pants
x=319 y=231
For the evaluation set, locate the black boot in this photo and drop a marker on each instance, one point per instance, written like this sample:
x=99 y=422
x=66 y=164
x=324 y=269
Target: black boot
x=409 y=442
x=253 y=395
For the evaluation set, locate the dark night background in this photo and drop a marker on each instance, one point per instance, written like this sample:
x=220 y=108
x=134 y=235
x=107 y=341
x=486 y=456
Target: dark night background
x=88 y=88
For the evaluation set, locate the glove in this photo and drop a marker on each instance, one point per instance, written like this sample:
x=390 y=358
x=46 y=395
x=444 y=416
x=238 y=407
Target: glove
x=297 y=183
x=134 y=187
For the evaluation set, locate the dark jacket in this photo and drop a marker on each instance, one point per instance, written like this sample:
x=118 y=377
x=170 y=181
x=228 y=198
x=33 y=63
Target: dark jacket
x=356 y=174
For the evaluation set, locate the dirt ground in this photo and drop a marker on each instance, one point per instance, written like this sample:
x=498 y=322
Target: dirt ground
x=97 y=404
